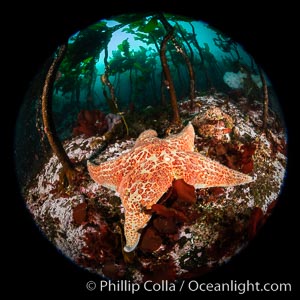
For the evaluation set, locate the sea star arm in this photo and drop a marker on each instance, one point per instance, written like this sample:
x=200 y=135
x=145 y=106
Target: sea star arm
x=110 y=173
x=139 y=190
x=134 y=223
x=184 y=140
x=145 y=137
x=202 y=172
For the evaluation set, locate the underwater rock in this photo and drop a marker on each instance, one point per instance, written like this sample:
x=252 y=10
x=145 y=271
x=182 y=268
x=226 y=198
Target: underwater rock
x=88 y=221
x=214 y=123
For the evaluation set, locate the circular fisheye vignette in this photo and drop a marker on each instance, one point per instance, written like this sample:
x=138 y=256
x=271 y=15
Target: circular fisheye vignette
x=156 y=148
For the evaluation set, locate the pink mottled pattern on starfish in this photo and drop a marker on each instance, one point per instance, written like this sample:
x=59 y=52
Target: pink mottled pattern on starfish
x=144 y=174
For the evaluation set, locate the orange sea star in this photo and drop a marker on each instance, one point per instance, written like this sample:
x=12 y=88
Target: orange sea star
x=144 y=174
